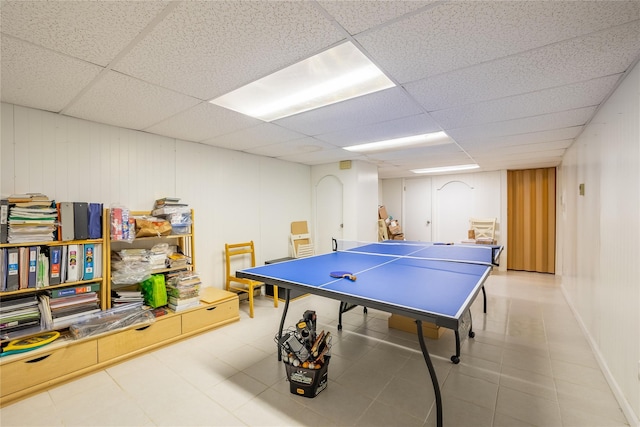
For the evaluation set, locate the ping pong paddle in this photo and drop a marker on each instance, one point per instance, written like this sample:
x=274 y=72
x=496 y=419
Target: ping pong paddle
x=343 y=275
x=31 y=343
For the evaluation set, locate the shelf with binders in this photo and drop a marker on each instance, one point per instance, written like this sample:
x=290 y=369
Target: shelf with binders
x=181 y=245
x=40 y=266
x=47 y=283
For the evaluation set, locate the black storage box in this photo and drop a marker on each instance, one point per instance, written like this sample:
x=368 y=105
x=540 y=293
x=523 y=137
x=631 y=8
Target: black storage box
x=307 y=382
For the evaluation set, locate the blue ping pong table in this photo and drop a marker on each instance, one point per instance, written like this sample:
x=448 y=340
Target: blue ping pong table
x=484 y=254
x=427 y=282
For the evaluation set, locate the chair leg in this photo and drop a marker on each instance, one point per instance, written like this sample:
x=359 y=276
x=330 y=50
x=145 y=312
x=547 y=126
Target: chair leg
x=251 y=302
x=275 y=296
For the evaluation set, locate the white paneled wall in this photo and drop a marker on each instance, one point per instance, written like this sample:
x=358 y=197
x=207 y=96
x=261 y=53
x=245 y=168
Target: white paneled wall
x=599 y=237
x=236 y=196
x=455 y=199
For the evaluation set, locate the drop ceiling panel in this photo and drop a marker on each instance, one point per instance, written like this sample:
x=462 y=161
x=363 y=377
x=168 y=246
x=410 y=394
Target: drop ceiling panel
x=357 y=16
x=203 y=122
x=576 y=95
x=524 y=155
x=380 y=106
x=501 y=77
x=405 y=126
x=39 y=78
x=524 y=138
x=492 y=151
x=122 y=101
x=298 y=146
x=208 y=48
x=597 y=55
x=264 y=134
x=460 y=34
x=530 y=163
x=321 y=157
x=526 y=125
x=414 y=153
x=93 y=31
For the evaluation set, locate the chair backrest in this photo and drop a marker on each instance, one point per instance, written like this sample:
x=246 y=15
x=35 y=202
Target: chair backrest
x=240 y=250
x=301 y=245
x=484 y=228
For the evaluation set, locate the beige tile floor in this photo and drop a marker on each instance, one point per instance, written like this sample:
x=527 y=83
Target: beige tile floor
x=529 y=365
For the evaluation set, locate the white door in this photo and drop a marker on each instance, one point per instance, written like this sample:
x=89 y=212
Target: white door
x=329 y=218
x=417 y=209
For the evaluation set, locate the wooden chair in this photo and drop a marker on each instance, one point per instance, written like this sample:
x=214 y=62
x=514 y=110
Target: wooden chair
x=243 y=252
x=484 y=228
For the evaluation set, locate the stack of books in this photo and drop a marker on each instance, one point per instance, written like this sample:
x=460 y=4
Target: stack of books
x=19 y=315
x=178 y=214
x=122 y=297
x=183 y=291
x=177 y=260
x=31 y=218
x=69 y=305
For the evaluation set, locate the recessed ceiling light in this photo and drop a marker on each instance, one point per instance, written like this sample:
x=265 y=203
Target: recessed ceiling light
x=335 y=75
x=446 y=169
x=424 y=140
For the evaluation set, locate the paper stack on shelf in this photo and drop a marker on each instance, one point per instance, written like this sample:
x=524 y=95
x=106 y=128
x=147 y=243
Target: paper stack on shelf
x=18 y=314
x=66 y=310
x=171 y=210
x=122 y=297
x=31 y=218
x=183 y=291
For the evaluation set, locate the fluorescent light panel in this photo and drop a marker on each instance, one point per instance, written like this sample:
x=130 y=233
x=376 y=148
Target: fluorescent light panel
x=424 y=140
x=446 y=169
x=334 y=75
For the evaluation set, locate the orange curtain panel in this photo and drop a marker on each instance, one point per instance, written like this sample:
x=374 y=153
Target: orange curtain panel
x=531 y=220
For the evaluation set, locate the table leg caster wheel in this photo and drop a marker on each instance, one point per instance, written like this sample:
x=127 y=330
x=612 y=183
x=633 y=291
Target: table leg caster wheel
x=339 y=327
x=455 y=359
x=472 y=334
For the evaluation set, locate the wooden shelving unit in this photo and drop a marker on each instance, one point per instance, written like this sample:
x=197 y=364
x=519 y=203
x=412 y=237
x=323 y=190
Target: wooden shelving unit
x=22 y=375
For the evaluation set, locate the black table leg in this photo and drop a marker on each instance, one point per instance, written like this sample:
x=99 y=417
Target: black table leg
x=456 y=357
x=284 y=315
x=432 y=373
x=484 y=296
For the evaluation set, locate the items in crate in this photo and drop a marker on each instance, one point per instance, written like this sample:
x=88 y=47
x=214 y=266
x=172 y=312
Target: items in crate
x=183 y=290
x=306 y=356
